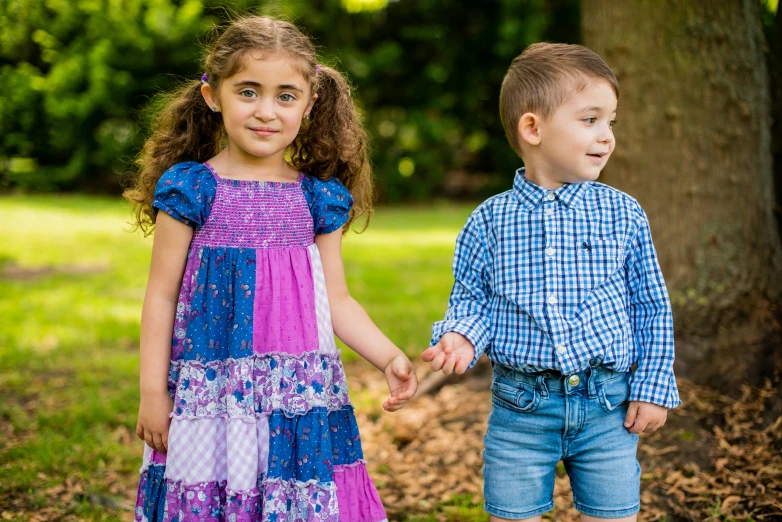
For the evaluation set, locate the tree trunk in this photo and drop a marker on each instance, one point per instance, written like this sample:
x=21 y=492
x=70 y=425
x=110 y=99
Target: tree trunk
x=775 y=72
x=694 y=147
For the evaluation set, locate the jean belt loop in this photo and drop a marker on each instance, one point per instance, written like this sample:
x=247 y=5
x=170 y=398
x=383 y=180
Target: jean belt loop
x=542 y=387
x=592 y=373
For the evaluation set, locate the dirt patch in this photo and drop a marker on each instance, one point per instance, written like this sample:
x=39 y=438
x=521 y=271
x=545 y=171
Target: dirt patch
x=14 y=272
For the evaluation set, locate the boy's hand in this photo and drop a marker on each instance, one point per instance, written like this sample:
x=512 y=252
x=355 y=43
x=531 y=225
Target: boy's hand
x=645 y=416
x=402 y=382
x=453 y=353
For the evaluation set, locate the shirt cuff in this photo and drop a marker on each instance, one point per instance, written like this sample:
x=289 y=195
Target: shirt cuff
x=660 y=391
x=473 y=328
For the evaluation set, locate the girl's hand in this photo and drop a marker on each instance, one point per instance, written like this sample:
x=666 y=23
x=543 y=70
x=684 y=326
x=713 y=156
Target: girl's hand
x=453 y=354
x=153 y=420
x=402 y=382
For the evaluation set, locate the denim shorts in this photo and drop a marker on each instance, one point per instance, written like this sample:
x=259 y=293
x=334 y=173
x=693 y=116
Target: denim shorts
x=539 y=419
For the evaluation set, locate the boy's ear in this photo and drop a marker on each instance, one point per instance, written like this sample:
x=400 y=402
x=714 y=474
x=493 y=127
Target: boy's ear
x=529 y=128
x=209 y=96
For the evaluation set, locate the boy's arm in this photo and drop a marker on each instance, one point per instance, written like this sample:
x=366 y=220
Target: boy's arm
x=652 y=323
x=469 y=302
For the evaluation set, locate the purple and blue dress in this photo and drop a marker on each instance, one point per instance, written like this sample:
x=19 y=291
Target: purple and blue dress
x=262 y=427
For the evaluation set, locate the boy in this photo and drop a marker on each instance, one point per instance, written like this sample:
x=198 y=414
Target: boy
x=557 y=281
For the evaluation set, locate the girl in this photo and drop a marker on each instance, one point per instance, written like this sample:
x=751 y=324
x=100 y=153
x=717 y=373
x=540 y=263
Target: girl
x=244 y=406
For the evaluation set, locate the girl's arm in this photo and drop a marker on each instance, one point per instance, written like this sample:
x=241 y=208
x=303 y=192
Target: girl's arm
x=169 y=255
x=354 y=327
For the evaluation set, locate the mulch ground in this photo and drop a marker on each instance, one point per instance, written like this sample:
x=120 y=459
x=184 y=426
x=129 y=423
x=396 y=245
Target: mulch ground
x=717 y=458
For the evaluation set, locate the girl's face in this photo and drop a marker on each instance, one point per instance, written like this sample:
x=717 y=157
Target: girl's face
x=263 y=105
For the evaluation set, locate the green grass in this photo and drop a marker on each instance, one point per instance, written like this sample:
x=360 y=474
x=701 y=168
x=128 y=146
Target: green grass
x=69 y=334
x=460 y=508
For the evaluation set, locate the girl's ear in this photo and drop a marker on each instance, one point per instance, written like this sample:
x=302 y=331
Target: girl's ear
x=529 y=128
x=209 y=96
x=308 y=109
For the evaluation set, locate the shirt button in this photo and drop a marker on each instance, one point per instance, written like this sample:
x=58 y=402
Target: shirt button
x=549 y=211
x=552 y=299
x=549 y=251
x=561 y=349
x=550 y=196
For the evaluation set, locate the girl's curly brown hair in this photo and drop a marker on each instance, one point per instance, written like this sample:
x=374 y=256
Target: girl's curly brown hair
x=333 y=143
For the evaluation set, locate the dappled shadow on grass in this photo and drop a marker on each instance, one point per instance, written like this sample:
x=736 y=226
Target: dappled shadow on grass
x=12 y=271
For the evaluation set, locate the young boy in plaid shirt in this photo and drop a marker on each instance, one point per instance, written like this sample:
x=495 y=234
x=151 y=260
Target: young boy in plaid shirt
x=557 y=281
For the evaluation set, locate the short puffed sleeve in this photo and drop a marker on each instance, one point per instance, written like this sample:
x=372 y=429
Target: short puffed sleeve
x=186 y=192
x=329 y=201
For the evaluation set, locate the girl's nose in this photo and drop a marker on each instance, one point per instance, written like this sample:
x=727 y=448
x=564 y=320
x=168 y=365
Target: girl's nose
x=265 y=110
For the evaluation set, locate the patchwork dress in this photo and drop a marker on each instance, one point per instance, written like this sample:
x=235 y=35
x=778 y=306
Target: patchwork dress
x=262 y=427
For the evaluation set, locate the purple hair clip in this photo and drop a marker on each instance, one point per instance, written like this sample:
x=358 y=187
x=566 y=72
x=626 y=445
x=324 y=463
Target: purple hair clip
x=317 y=69
x=204 y=78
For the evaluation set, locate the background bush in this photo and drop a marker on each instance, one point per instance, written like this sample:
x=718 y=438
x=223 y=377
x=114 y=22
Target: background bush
x=76 y=76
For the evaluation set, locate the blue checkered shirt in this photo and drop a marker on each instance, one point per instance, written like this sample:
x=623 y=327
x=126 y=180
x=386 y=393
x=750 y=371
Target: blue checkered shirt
x=559 y=280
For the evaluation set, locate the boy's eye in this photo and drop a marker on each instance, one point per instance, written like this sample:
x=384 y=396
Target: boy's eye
x=612 y=123
x=590 y=120
x=286 y=97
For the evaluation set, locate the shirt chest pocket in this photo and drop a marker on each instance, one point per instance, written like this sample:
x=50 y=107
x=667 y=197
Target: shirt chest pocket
x=596 y=261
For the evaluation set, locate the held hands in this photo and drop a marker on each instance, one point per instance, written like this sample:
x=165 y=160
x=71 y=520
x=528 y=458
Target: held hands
x=645 y=417
x=153 y=420
x=402 y=382
x=453 y=353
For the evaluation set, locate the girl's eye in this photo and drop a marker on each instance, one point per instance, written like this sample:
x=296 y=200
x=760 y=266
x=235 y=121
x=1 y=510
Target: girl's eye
x=612 y=123
x=590 y=120
x=286 y=97
x=247 y=93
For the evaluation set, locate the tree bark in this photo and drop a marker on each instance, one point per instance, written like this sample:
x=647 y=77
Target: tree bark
x=694 y=147
x=775 y=73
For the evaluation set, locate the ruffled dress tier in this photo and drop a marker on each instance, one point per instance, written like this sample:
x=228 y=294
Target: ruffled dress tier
x=262 y=427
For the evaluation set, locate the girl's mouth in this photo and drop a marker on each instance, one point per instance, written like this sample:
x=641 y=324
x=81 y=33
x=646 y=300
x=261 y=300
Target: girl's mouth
x=263 y=131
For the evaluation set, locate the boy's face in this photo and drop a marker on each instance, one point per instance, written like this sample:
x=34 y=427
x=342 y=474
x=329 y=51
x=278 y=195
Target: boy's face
x=576 y=141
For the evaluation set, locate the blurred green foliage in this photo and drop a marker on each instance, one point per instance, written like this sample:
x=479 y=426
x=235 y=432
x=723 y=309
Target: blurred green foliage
x=77 y=74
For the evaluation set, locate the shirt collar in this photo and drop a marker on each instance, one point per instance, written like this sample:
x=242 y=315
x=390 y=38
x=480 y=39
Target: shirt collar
x=530 y=194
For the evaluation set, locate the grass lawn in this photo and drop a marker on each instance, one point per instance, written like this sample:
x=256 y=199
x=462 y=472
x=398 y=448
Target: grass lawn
x=72 y=280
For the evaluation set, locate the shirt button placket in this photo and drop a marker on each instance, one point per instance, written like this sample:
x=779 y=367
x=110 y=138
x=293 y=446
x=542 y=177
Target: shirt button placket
x=550 y=271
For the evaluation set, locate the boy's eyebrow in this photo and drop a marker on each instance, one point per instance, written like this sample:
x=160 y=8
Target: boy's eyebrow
x=592 y=108
x=251 y=83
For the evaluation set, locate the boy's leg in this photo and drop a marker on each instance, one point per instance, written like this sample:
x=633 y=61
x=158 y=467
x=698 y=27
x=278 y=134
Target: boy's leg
x=522 y=447
x=537 y=518
x=600 y=453
x=587 y=518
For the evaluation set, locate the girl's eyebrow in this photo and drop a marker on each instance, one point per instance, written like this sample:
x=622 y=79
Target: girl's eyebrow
x=288 y=86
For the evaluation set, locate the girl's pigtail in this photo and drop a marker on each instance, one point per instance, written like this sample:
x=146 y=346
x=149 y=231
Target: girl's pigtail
x=334 y=142
x=185 y=129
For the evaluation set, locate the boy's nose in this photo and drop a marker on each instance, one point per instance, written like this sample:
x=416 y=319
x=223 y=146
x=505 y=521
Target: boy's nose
x=606 y=135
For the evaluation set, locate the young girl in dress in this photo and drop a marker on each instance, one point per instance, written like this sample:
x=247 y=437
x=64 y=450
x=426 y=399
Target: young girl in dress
x=250 y=179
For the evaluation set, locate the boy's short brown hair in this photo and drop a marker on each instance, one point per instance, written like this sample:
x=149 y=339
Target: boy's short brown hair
x=541 y=78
